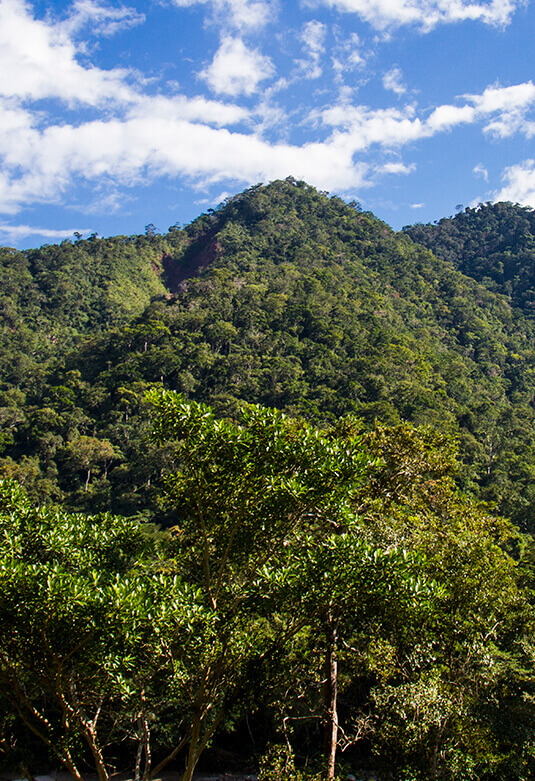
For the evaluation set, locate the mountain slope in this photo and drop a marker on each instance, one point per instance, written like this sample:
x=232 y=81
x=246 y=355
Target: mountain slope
x=51 y=296
x=494 y=244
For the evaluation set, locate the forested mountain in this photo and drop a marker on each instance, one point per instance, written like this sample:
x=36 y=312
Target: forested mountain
x=493 y=243
x=283 y=296
x=52 y=295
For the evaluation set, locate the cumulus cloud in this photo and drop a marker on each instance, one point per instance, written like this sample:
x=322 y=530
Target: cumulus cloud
x=425 y=14
x=38 y=60
x=363 y=127
x=196 y=109
x=393 y=127
x=135 y=150
x=497 y=98
x=447 y=116
x=518 y=184
x=236 y=69
x=393 y=80
x=240 y=14
x=506 y=107
x=39 y=162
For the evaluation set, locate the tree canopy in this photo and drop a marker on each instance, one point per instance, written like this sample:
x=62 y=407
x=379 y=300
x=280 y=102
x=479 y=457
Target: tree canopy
x=322 y=580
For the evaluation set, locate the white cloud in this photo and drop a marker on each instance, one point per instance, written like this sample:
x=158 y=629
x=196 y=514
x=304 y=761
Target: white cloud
x=347 y=55
x=393 y=80
x=425 y=14
x=133 y=151
x=447 y=116
x=365 y=127
x=15 y=232
x=396 y=168
x=38 y=60
x=500 y=99
x=392 y=127
x=176 y=139
x=196 y=109
x=236 y=69
x=480 y=170
x=519 y=184
x=416 y=205
x=508 y=106
x=101 y=18
x=313 y=38
x=240 y=14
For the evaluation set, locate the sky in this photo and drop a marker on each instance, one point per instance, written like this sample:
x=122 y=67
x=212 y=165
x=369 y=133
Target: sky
x=116 y=115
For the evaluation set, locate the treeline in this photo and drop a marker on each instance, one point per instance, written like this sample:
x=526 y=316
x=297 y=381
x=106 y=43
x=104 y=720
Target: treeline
x=318 y=588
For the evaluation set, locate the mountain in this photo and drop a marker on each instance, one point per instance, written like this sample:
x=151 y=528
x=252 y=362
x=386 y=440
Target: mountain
x=282 y=296
x=51 y=296
x=493 y=243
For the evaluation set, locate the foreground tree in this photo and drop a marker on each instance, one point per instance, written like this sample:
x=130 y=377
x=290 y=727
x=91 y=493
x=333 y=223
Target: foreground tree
x=86 y=617
x=287 y=564
x=444 y=693
x=341 y=585
x=243 y=495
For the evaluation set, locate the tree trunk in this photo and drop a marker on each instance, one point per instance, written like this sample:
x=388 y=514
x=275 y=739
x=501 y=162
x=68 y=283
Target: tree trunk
x=100 y=765
x=193 y=753
x=330 y=695
x=139 y=755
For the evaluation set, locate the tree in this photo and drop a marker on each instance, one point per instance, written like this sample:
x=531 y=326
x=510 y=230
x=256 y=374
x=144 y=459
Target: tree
x=87 y=620
x=87 y=453
x=345 y=585
x=441 y=700
x=243 y=495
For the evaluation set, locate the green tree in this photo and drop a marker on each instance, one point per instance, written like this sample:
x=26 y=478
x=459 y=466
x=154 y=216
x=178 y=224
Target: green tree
x=88 y=453
x=243 y=494
x=342 y=586
x=88 y=619
x=444 y=694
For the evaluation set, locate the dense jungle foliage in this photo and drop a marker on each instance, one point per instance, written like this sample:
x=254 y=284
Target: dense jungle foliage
x=330 y=568
x=320 y=587
x=493 y=243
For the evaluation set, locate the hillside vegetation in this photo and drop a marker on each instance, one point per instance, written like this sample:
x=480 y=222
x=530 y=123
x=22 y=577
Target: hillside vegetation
x=493 y=243
x=284 y=297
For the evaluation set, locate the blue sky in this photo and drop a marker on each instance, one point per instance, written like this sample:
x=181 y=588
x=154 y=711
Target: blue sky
x=117 y=115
